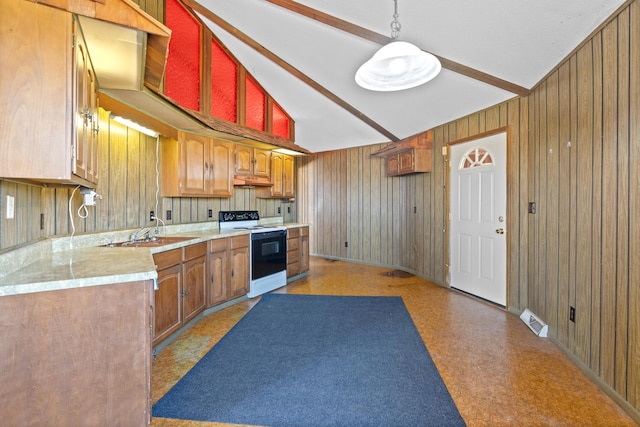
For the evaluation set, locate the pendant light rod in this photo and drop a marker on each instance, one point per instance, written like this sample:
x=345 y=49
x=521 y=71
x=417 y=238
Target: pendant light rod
x=395 y=24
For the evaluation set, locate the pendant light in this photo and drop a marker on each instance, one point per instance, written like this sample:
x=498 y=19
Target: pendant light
x=398 y=65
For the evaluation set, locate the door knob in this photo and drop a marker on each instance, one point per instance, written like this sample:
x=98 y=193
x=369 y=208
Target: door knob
x=500 y=231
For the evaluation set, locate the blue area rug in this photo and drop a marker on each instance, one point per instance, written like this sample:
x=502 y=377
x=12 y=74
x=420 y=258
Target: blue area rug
x=305 y=360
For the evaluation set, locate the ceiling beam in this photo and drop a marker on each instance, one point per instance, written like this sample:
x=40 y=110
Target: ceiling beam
x=286 y=66
x=366 y=34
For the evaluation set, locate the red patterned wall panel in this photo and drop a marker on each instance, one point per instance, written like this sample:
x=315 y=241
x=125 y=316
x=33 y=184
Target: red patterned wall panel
x=224 y=84
x=280 y=122
x=182 y=79
x=255 y=105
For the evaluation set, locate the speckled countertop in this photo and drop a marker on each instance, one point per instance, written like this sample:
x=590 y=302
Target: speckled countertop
x=84 y=260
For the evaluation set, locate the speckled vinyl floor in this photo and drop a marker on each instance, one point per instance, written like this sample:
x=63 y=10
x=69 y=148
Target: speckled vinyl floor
x=497 y=371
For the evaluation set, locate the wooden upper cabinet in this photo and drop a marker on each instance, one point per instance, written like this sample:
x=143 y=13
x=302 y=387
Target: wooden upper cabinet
x=412 y=155
x=282 y=177
x=289 y=176
x=48 y=113
x=220 y=169
x=196 y=166
x=252 y=162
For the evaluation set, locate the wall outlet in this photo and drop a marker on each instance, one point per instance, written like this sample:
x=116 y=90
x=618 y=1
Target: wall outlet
x=572 y=314
x=279 y=209
x=346 y=244
x=168 y=215
x=210 y=213
x=41 y=221
x=152 y=215
x=532 y=208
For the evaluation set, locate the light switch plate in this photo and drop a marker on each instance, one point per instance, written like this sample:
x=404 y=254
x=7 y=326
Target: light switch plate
x=10 y=207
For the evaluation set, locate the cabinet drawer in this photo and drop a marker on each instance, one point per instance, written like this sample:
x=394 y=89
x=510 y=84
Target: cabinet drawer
x=195 y=251
x=304 y=231
x=293 y=256
x=292 y=233
x=293 y=244
x=218 y=245
x=293 y=269
x=168 y=258
x=240 y=241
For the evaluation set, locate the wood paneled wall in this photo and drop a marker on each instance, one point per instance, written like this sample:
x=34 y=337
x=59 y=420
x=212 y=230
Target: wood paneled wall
x=400 y=221
x=574 y=149
x=127 y=184
x=584 y=164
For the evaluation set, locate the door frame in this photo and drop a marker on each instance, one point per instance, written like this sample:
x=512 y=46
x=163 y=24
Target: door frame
x=504 y=129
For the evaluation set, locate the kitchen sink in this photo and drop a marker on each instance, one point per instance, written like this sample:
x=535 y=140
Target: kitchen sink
x=153 y=242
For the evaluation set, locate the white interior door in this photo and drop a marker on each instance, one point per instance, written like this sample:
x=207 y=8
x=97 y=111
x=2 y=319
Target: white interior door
x=477 y=218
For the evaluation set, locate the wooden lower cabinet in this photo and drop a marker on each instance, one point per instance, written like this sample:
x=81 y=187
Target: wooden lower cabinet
x=228 y=269
x=297 y=251
x=181 y=288
x=76 y=357
x=194 y=273
x=239 y=259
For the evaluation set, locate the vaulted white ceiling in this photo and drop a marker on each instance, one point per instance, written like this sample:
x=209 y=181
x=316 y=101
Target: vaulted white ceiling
x=516 y=41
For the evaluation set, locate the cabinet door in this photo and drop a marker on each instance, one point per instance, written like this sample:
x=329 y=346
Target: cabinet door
x=217 y=286
x=244 y=160
x=239 y=275
x=261 y=163
x=167 y=303
x=289 y=176
x=194 y=165
x=220 y=173
x=92 y=131
x=304 y=251
x=195 y=275
x=277 y=190
x=406 y=160
x=393 y=165
x=79 y=165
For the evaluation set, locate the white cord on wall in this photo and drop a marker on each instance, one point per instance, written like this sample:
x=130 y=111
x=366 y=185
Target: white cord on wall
x=73 y=227
x=157 y=218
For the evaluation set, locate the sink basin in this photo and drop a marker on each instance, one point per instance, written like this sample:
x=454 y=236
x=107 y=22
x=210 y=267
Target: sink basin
x=160 y=241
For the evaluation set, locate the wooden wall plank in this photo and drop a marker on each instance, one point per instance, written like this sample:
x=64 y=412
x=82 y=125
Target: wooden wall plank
x=573 y=248
x=542 y=195
x=633 y=357
x=132 y=176
x=609 y=203
x=551 y=209
x=584 y=189
x=564 y=203
x=596 y=208
x=117 y=176
x=532 y=223
x=623 y=260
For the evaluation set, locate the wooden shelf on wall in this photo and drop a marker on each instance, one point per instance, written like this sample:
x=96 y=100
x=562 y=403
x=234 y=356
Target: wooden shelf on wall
x=411 y=155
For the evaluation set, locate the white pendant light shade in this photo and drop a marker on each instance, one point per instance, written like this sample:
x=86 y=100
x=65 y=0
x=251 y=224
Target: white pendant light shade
x=396 y=66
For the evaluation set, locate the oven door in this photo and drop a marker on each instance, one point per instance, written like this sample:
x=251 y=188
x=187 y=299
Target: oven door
x=268 y=253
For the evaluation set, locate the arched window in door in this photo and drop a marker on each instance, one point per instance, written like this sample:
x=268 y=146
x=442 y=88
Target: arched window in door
x=476 y=157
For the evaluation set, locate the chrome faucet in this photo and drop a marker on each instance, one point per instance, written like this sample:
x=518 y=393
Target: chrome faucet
x=143 y=231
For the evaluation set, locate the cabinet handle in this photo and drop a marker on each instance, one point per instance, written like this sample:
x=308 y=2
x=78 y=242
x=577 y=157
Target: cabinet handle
x=231 y=273
x=212 y=278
